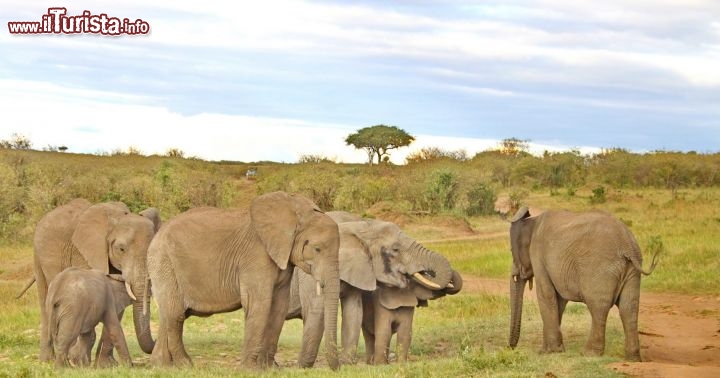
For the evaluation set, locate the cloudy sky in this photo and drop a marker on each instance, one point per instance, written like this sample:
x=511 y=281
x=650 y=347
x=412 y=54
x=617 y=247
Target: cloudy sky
x=274 y=80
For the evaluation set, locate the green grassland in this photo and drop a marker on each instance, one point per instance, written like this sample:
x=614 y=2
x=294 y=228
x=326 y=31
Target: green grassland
x=463 y=335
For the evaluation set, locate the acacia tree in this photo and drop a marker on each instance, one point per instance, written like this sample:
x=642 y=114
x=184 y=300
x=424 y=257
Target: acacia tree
x=378 y=140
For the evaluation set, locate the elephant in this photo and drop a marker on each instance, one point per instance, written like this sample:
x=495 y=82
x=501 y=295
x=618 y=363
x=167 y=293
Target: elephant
x=79 y=299
x=390 y=310
x=373 y=255
x=589 y=257
x=210 y=260
x=103 y=236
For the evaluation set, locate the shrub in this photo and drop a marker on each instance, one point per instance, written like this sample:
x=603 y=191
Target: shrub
x=598 y=195
x=481 y=200
x=441 y=191
x=516 y=198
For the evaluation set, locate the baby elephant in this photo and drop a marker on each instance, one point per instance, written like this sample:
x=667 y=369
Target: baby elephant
x=79 y=299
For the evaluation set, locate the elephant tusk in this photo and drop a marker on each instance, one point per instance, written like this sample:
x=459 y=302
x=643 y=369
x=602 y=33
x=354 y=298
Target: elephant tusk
x=450 y=286
x=514 y=278
x=318 y=288
x=425 y=282
x=129 y=291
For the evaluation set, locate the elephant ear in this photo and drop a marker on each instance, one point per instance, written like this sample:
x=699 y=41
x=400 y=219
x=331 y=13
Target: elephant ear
x=90 y=235
x=392 y=297
x=355 y=263
x=522 y=213
x=275 y=217
x=153 y=214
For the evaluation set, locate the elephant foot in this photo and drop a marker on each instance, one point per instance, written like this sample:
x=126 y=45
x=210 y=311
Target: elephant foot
x=46 y=357
x=633 y=356
x=552 y=349
x=346 y=359
x=592 y=352
x=79 y=362
x=106 y=361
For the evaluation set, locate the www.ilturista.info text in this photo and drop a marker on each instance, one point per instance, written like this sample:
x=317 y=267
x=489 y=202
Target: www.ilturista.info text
x=56 y=21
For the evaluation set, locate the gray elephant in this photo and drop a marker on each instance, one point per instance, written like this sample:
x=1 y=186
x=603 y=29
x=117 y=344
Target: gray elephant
x=209 y=260
x=79 y=299
x=588 y=257
x=104 y=236
x=390 y=310
x=373 y=254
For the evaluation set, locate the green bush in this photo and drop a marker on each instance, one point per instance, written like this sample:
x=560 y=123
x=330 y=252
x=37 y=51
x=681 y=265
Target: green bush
x=481 y=200
x=598 y=195
x=441 y=191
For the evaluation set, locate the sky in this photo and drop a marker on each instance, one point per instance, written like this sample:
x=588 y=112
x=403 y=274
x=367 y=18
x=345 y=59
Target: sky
x=276 y=80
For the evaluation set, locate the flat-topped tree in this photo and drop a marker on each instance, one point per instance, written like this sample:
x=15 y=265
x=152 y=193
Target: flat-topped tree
x=378 y=140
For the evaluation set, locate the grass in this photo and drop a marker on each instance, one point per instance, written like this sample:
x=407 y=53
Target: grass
x=462 y=335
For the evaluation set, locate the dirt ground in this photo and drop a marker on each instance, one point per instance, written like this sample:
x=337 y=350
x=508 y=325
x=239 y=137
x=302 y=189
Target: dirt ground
x=679 y=334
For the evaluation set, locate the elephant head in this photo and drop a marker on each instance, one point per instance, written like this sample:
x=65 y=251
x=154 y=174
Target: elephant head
x=373 y=251
x=520 y=236
x=415 y=294
x=115 y=241
x=294 y=230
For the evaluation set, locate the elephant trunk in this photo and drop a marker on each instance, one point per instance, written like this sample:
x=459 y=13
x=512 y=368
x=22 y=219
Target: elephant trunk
x=455 y=284
x=434 y=269
x=141 y=317
x=331 y=298
x=517 y=290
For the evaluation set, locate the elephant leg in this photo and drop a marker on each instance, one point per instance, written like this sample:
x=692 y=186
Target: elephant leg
x=64 y=339
x=369 y=339
x=383 y=334
x=595 y=345
x=562 y=303
x=79 y=354
x=352 y=315
x=404 y=332
x=113 y=331
x=278 y=310
x=629 y=306
x=257 y=315
x=548 y=302
x=368 y=327
x=104 y=355
x=169 y=348
x=313 y=322
x=47 y=352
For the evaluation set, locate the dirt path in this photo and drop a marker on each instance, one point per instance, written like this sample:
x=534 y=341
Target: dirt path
x=679 y=334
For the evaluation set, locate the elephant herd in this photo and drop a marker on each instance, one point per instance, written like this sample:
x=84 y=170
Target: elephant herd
x=284 y=258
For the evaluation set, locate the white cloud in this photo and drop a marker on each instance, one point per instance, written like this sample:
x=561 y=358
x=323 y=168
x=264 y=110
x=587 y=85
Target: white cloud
x=92 y=121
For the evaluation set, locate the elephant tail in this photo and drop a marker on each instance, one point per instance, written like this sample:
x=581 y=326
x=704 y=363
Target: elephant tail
x=655 y=246
x=52 y=327
x=27 y=286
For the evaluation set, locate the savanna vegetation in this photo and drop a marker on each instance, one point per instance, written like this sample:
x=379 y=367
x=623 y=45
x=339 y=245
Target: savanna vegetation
x=666 y=198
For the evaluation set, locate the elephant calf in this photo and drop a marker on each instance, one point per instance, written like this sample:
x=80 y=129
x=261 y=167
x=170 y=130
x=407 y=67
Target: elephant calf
x=77 y=301
x=390 y=310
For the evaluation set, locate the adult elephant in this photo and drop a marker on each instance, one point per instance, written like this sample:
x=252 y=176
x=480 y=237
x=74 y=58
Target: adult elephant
x=209 y=260
x=588 y=257
x=103 y=236
x=372 y=253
